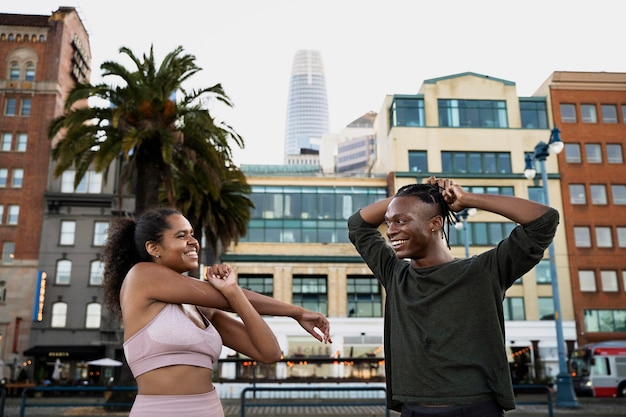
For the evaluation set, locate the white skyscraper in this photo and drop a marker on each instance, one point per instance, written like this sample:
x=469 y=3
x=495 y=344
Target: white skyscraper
x=307 y=107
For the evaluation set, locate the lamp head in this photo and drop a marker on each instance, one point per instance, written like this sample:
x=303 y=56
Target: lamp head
x=529 y=170
x=556 y=144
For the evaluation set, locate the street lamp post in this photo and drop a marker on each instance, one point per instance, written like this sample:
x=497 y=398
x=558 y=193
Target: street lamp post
x=461 y=223
x=565 y=396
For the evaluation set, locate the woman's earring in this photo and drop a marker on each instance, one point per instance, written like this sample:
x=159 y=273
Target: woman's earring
x=157 y=256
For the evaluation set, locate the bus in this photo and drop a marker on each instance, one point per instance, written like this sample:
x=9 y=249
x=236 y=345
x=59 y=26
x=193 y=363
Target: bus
x=599 y=369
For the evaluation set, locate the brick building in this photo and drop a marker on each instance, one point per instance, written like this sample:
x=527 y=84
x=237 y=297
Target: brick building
x=42 y=57
x=590 y=110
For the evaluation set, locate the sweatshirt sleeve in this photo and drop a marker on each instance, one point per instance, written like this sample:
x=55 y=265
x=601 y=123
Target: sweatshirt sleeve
x=525 y=247
x=372 y=246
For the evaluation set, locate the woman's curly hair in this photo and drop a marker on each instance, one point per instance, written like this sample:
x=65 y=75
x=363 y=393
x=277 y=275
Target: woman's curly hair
x=125 y=247
x=431 y=194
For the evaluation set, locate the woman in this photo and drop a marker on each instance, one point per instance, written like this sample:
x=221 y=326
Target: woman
x=175 y=325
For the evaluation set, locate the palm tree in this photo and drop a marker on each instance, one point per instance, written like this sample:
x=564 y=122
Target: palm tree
x=144 y=125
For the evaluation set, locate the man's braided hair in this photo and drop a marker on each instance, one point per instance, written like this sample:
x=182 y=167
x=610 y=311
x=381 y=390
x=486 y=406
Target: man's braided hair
x=431 y=194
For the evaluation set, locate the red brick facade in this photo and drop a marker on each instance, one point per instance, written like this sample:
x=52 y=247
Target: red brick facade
x=606 y=301
x=38 y=55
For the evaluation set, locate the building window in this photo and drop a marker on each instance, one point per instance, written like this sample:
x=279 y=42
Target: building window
x=568 y=113
x=364 y=298
x=59 y=315
x=93 y=316
x=577 y=194
x=1 y=213
x=533 y=114
x=11 y=107
x=91 y=183
x=310 y=292
x=68 y=232
x=17 y=178
x=14 y=71
x=30 y=72
x=619 y=194
x=598 y=194
x=546 y=308
x=588 y=113
x=609 y=113
x=480 y=189
x=3 y=294
x=605 y=320
x=614 y=153
x=306 y=214
x=13 y=214
x=472 y=113
x=259 y=283
x=64 y=272
x=542 y=272
x=22 y=140
x=407 y=112
x=514 y=308
x=7 y=142
x=418 y=161
x=603 y=237
x=4 y=177
x=587 y=280
x=8 y=252
x=609 y=281
x=26 y=107
x=623 y=113
x=96 y=273
x=476 y=162
x=594 y=153
x=100 y=233
x=621 y=237
x=582 y=237
x=481 y=233
x=536 y=194
x=572 y=153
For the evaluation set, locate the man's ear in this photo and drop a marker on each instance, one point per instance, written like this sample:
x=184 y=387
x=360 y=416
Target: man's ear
x=436 y=223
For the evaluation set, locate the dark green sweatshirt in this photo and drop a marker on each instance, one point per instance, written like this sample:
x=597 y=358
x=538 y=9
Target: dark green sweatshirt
x=444 y=325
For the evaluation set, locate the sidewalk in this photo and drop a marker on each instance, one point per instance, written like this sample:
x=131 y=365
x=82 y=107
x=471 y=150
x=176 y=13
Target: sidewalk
x=588 y=407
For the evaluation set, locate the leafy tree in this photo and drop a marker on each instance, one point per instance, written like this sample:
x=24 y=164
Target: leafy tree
x=172 y=150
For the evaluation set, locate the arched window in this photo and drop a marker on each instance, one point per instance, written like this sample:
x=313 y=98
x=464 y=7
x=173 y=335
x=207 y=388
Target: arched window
x=93 y=316
x=59 y=315
x=14 y=71
x=30 y=72
x=96 y=273
x=64 y=272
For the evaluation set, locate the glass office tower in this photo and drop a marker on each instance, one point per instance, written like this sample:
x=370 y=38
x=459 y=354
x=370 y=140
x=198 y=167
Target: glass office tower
x=307 y=106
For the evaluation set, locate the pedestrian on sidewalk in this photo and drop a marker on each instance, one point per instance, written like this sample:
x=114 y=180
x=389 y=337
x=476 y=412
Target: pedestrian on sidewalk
x=444 y=322
x=174 y=324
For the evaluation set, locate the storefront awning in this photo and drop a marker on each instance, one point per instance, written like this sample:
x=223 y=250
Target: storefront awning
x=66 y=351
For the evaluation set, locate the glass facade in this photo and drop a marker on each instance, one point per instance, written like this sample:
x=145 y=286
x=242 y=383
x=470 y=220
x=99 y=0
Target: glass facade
x=306 y=214
x=307 y=106
x=472 y=113
x=407 y=112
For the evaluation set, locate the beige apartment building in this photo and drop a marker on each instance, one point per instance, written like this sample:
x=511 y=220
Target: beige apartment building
x=469 y=127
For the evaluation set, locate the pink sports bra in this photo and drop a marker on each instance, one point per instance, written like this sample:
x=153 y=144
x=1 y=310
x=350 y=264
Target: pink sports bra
x=171 y=338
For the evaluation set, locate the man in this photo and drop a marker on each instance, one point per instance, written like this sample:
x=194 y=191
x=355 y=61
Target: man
x=444 y=323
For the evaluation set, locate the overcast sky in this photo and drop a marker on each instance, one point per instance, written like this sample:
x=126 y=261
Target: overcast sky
x=370 y=48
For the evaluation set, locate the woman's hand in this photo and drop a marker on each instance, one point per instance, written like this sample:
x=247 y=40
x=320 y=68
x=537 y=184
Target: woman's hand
x=221 y=276
x=315 y=324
